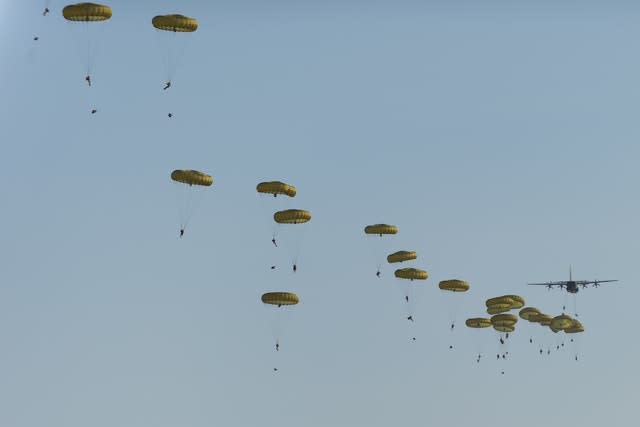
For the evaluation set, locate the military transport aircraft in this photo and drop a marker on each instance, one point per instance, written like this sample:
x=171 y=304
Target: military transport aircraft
x=571 y=285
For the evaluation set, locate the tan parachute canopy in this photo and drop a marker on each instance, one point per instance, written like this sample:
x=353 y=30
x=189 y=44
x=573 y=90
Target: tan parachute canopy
x=498 y=309
x=411 y=274
x=401 y=256
x=527 y=312
x=292 y=216
x=506 y=319
x=503 y=301
x=543 y=319
x=576 y=327
x=276 y=187
x=86 y=12
x=561 y=322
x=381 y=229
x=175 y=23
x=280 y=298
x=191 y=177
x=518 y=301
x=454 y=285
x=478 y=322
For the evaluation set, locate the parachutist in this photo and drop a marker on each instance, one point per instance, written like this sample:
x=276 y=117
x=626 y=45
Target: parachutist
x=507 y=336
x=504 y=356
x=181 y=232
x=501 y=341
x=557 y=347
x=295 y=268
x=571 y=339
x=498 y=356
x=410 y=318
x=94 y=111
x=502 y=372
x=576 y=358
x=167 y=85
x=88 y=79
x=562 y=345
x=540 y=351
x=548 y=351
x=170 y=115
x=531 y=340
x=274 y=242
x=406 y=298
x=36 y=38
x=277 y=347
x=275 y=369
x=273 y=267
x=453 y=325
x=46 y=10
x=450 y=347
x=378 y=273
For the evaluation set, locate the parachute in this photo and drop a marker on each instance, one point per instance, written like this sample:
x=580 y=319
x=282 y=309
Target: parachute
x=527 y=312
x=506 y=319
x=401 y=256
x=561 y=322
x=189 y=194
x=381 y=229
x=87 y=13
x=293 y=237
x=576 y=327
x=478 y=322
x=175 y=23
x=454 y=285
x=170 y=26
x=192 y=177
x=411 y=274
x=280 y=298
x=292 y=216
x=276 y=188
x=379 y=246
x=281 y=301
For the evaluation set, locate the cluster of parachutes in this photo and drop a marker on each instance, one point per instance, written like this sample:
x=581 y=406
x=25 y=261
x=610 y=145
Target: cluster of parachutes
x=89 y=15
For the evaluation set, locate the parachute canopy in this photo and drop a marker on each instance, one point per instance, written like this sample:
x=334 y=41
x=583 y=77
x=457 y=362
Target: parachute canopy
x=280 y=298
x=401 y=256
x=518 y=301
x=86 y=12
x=561 y=322
x=454 y=285
x=498 y=309
x=292 y=216
x=478 y=322
x=191 y=177
x=276 y=187
x=576 y=327
x=527 y=312
x=175 y=23
x=381 y=229
x=543 y=319
x=506 y=319
x=411 y=274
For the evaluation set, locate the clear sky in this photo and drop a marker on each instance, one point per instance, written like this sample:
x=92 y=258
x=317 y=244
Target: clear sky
x=499 y=136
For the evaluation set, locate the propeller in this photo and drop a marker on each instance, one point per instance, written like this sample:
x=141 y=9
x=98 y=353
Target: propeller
x=596 y=284
x=584 y=285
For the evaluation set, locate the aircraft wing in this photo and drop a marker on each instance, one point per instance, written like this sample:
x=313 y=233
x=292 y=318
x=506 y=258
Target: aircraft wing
x=592 y=282
x=548 y=284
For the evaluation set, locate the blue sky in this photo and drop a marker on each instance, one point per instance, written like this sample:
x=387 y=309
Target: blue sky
x=500 y=137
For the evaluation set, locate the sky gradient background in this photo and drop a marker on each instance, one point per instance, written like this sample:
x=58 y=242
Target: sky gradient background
x=500 y=136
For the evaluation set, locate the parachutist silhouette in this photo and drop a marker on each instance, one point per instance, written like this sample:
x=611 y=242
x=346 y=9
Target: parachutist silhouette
x=88 y=79
x=502 y=372
x=94 y=111
x=378 y=273
x=167 y=85
x=273 y=267
x=46 y=10
x=450 y=347
x=501 y=341
x=531 y=340
x=548 y=351
x=277 y=347
x=498 y=356
x=507 y=336
x=504 y=356
x=275 y=369
x=557 y=347
x=453 y=326
x=406 y=298
x=295 y=268
x=576 y=358
x=540 y=351
x=181 y=232
x=410 y=318
x=413 y=339
x=36 y=38
x=170 y=115
x=274 y=242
